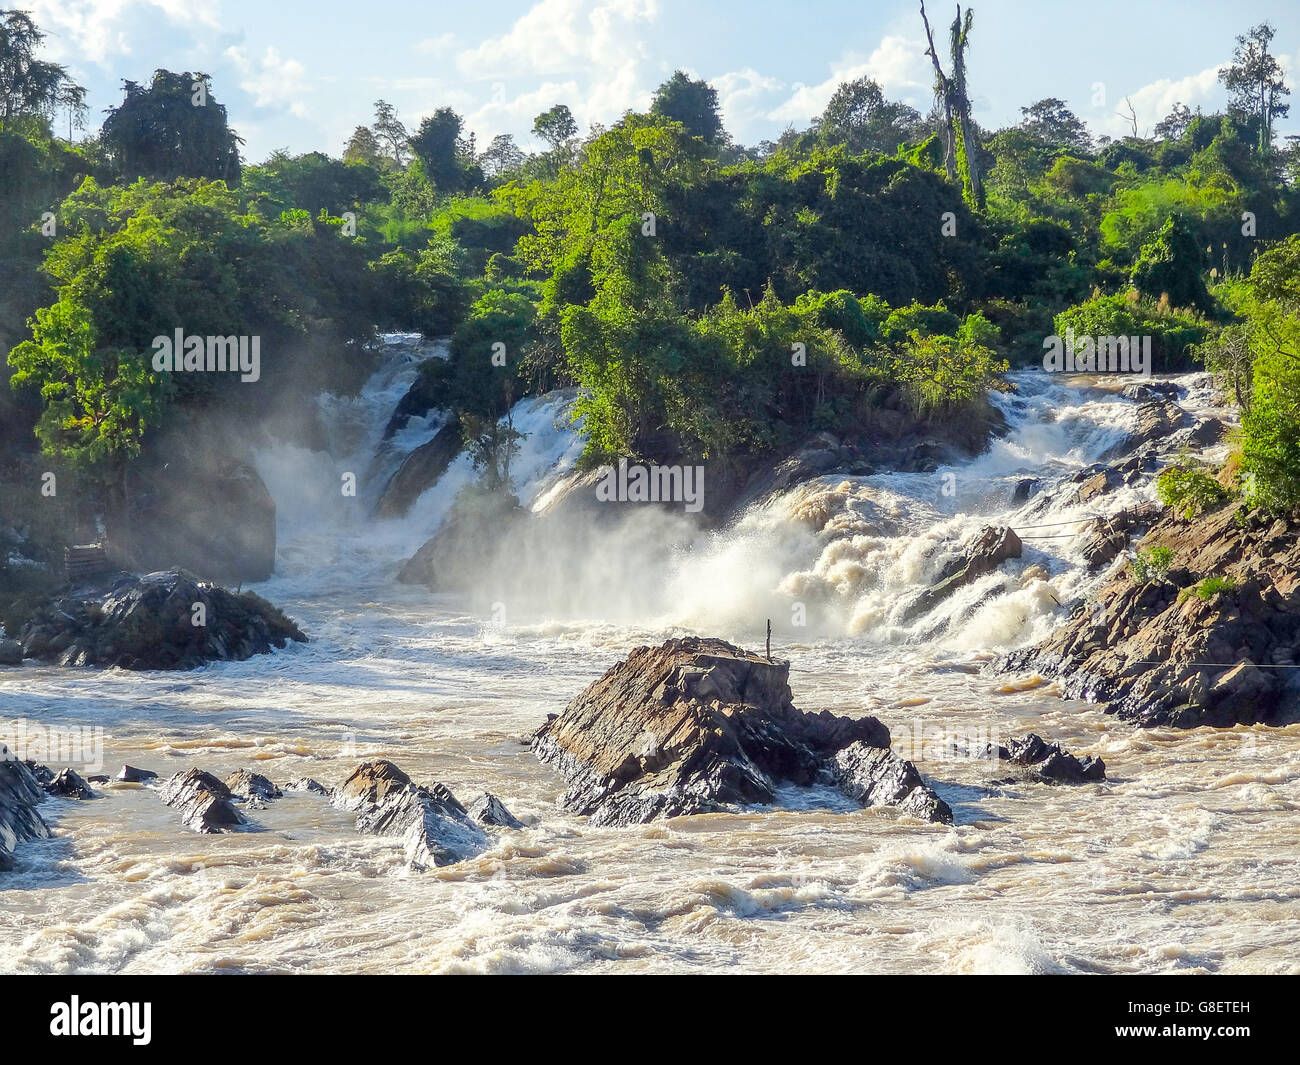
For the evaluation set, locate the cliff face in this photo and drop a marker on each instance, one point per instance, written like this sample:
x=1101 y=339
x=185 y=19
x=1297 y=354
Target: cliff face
x=1215 y=641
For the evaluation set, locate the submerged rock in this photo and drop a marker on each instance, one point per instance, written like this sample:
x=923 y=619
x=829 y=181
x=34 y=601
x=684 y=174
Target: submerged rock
x=1050 y=762
x=69 y=784
x=993 y=546
x=245 y=784
x=690 y=727
x=876 y=776
x=166 y=620
x=129 y=774
x=20 y=794
x=487 y=809
x=203 y=800
x=434 y=826
x=315 y=787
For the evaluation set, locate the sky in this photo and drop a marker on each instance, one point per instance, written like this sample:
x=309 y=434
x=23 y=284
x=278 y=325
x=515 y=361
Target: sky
x=301 y=76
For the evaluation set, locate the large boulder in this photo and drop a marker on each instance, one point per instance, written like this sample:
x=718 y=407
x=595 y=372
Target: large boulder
x=160 y=621
x=1050 y=762
x=468 y=542
x=20 y=794
x=993 y=546
x=11 y=652
x=693 y=726
x=434 y=826
x=216 y=522
x=203 y=800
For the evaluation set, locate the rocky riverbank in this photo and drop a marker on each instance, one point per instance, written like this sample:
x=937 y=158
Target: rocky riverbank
x=1211 y=639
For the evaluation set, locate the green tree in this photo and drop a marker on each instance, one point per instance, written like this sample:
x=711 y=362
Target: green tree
x=1256 y=83
x=172 y=128
x=1170 y=266
x=693 y=103
x=556 y=126
x=445 y=153
x=31 y=86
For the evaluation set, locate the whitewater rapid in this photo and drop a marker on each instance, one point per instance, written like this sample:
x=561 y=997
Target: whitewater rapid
x=1182 y=861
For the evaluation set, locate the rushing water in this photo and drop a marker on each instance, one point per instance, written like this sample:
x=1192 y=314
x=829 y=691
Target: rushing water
x=1183 y=860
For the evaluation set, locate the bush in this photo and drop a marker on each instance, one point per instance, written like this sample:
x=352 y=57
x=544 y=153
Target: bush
x=1151 y=565
x=1189 y=491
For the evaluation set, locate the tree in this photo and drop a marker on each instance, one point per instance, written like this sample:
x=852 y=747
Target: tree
x=1170 y=266
x=172 y=128
x=30 y=86
x=1174 y=125
x=363 y=147
x=859 y=117
x=1051 y=122
x=1256 y=83
x=390 y=133
x=692 y=103
x=556 y=126
x=501 y=156
x=446 y=154
x=961 y=147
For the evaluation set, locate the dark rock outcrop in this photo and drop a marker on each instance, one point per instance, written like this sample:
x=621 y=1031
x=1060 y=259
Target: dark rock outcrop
x=467 y=542
x=487 y=809
x=315 y=787
x=203 y=800
x=690 y=727
x=20 y=794
x=129 y=774
x=993 y=546
x=1182 y=652
x=11 y=652
x=218 y=523
x=434 y=826
x=150 y=623
x=875 y=776
x=1051 y=763
x=420 y=471
x=1157 y=420
x=69 y=784
x=245 y=784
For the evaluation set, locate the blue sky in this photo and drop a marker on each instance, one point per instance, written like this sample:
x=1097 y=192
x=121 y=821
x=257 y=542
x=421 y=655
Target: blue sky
x=301 y=75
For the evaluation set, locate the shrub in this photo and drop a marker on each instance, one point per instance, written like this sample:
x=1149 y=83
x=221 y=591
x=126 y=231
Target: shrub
x=1189 y=491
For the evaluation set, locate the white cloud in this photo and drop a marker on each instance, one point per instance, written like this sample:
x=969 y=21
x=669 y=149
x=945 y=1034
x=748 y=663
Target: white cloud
x=1153 y=102
x=272 y=81
x=95 y=30
x=899 y=65
x=743 y=96
x=437 y=46
x=596 y=43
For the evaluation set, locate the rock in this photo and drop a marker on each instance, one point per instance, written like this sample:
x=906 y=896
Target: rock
x=1208 y=432
x=11 y=652
x=149 y=623
x=420 y=471
x=1096 y=484
x=690 y=727
x=215 y=522
x=307 y=784
x=245 y=784
x=467 y=543
x=433 y=825
x=487 y=809
x=1158 y=653
x=1105 y=545
x=1025 y=487
x=131 y=775
x=203 y=800
x=993 y=546
x=1051 y=762
x=1157 y=420
x=20 y=794
x=876 y=776
x=70 y=785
